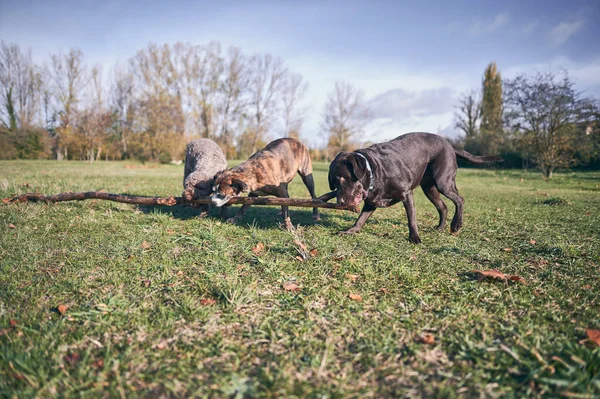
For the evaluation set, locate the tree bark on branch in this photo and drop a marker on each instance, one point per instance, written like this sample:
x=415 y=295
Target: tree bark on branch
x=172 y=201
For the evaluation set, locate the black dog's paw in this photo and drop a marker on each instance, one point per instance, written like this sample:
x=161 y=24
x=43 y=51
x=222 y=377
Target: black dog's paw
x=231 y=221
x=347 y=232
x=414 y=239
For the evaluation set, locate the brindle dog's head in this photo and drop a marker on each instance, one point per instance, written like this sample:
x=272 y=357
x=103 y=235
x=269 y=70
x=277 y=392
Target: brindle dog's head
x=347 y=174
x=228 y=184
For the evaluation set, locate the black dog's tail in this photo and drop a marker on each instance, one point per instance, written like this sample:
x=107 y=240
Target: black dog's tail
x=476 y=159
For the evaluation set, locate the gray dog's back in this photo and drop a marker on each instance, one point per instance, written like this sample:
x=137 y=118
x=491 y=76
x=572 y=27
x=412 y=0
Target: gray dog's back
x=203 y=159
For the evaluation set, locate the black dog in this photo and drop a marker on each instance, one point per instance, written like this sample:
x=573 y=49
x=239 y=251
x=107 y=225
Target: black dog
x=386 y=173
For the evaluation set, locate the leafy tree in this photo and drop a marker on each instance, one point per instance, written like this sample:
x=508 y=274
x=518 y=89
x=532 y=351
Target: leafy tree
x=549 y=118
x=492 y=135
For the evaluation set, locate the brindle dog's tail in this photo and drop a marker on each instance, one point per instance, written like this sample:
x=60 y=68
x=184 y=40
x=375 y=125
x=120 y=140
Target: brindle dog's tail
x=476 y=159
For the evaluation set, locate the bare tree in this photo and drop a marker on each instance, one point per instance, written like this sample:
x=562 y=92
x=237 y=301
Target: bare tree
x=549 y=117
x=159 y=102
x=202 y=68
x=265 y=84
x=120 y=99
x=345 y=115
x=20 y=84
x=69 y=77
x=294 y=90
x=231 y=101
x=468 y=114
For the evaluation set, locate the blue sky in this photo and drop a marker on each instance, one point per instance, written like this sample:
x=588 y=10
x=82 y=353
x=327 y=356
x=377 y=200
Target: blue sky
x=411 y=58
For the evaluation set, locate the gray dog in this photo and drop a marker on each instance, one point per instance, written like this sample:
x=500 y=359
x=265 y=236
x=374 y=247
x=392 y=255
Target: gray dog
x=203 y=160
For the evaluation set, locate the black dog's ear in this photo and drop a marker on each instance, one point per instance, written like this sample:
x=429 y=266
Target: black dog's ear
x=239 y=185
x=357 y=166
x=216 y=175
x=332 y=186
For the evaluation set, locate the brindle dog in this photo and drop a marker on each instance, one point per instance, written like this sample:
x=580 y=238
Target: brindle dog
x=267 y=172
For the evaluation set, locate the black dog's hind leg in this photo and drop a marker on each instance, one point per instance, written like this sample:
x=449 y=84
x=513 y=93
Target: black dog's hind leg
x=434 y=196
x=365 y=214
x=310 y=184
x=451 y=193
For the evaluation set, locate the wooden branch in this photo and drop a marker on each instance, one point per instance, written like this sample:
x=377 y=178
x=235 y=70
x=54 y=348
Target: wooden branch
x=172 y=201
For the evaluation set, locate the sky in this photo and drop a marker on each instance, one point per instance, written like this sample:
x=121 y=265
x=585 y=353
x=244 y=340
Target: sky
x=412 y=59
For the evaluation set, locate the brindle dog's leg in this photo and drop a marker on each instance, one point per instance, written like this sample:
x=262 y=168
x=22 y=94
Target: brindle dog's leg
x=310 y=184
x=242 y=211
x=282 y=192
x=365 y=214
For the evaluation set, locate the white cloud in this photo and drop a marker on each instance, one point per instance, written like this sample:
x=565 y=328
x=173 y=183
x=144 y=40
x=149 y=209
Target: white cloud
x=530 y=27
x=562 y=32
x=480 y=26
x=399 y=104
x=586 y=75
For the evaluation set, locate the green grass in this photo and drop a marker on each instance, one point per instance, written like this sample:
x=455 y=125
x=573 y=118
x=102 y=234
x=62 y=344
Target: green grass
x=140 y=321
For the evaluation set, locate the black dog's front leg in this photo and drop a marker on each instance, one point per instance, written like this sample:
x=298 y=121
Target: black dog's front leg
x=413 y=230
x=365 y=214
x=328 y=196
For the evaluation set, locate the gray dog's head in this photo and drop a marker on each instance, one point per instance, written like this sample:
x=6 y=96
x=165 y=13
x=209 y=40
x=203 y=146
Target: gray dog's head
x=196 y=185
x=347 y=175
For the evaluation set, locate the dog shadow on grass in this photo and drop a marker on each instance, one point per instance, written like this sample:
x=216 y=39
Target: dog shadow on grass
x=259 y=217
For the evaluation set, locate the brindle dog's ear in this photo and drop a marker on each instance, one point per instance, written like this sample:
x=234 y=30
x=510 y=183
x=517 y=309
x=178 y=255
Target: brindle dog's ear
x=239 y=185
x=357 y=166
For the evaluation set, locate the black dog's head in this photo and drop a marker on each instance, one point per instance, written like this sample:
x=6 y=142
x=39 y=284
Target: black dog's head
x=348 y=175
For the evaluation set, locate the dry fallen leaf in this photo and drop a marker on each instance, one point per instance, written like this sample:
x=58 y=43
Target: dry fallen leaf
x=12 y=322
x=146 y=283
x=532 y=242
x=314 y=252
x=99 y=363
x=179 y=273
x=62 y=309
x=11 y=226
x=428 y=339
x=497 y=274
x=300 y=258
x=352 y=277
x=301 y=245
x=384 y=290
x=587 y=287
x=72 y=358
x=207 y=301
x=355 y=297
x=507 y=249
x=593 y=336
x=291 y=287
x=145 y=245
x=486 y=239
x=258 y=248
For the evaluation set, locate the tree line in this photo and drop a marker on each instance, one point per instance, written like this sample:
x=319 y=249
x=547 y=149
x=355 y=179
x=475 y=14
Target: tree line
x=539 y=120
x=149 y=108
x=166 y=95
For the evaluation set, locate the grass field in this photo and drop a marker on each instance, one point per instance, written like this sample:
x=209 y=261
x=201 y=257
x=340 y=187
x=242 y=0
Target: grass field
x=161 y=303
